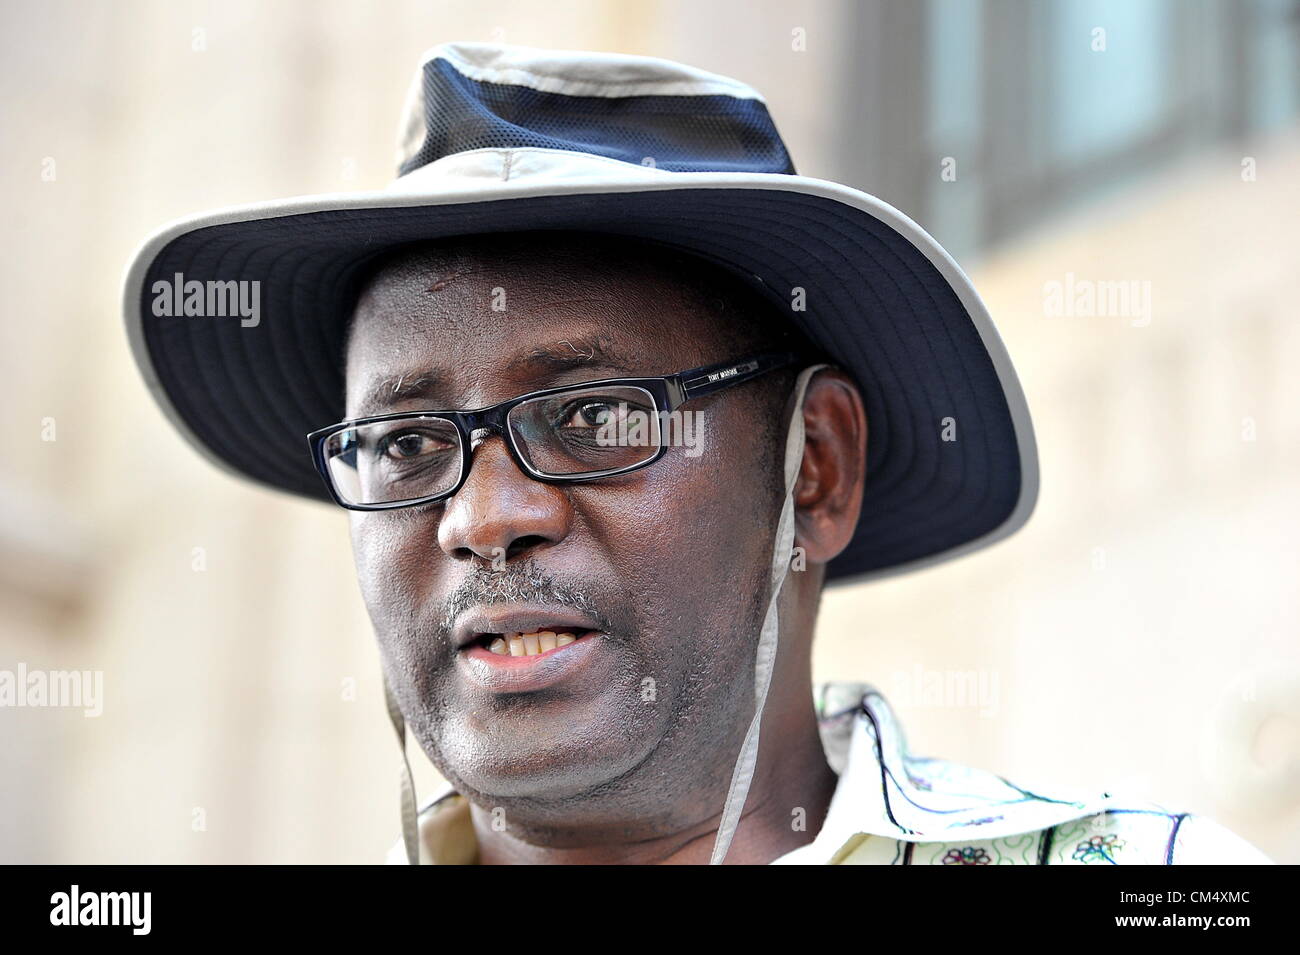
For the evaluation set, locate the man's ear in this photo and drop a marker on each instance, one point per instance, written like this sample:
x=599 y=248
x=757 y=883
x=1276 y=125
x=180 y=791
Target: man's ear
x=828 y=494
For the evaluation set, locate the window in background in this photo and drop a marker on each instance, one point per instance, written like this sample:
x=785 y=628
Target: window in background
x=1053 y=104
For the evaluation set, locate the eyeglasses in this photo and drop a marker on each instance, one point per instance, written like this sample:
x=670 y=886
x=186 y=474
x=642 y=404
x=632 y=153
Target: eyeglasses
x=576 y=433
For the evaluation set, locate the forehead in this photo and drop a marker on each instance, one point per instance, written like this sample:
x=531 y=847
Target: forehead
x=477 y=322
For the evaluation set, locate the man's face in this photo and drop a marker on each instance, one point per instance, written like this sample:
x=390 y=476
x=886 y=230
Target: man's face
x=661 y=573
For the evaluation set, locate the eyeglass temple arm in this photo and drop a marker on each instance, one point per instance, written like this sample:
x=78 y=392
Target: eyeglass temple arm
x=711 y=378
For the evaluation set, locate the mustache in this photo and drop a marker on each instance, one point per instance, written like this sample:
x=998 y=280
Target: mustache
x=525 y=582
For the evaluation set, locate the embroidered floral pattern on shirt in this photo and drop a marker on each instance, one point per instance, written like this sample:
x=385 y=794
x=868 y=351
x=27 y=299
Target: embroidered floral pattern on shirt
x=970 y=855
x=1098 y=849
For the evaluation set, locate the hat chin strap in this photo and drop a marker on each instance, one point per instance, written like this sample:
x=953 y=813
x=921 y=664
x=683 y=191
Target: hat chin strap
x=410 y=827
x=764 y=661
x=765 y=656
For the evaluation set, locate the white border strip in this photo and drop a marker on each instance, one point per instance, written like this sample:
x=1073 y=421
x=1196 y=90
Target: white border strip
x=582 y=73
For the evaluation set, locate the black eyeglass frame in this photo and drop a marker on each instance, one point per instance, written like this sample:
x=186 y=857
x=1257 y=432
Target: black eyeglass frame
x=669 y=392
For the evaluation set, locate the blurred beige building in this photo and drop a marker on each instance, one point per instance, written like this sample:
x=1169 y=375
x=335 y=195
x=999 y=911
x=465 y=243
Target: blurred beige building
x=1139 y=636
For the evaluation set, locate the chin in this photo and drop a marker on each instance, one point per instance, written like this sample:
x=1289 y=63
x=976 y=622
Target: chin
x=541 y=760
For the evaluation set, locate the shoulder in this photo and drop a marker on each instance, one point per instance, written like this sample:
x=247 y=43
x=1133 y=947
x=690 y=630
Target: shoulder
x=1146 y=835
x=1139 y=836
x=893 y=807
x=1202 y=841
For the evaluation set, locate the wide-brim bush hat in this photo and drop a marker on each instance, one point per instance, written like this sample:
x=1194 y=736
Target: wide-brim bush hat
x=499 y=139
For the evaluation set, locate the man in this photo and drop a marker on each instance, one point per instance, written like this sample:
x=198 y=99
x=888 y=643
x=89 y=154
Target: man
x=610 y=395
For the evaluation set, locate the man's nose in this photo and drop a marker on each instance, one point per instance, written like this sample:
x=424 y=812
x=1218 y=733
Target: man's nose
x=500 y=513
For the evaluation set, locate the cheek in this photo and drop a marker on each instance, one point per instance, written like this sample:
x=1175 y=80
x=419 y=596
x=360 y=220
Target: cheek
x=692 y=539
x=700 y=555
x=396 y=557
x=713 y=511
x=665 y=531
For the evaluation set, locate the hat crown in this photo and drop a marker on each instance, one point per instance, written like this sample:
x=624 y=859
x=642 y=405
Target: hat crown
x=636 y=109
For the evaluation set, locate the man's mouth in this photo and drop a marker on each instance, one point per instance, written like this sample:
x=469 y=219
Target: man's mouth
x=501 y=632
x=531 y=644
x=524 y=648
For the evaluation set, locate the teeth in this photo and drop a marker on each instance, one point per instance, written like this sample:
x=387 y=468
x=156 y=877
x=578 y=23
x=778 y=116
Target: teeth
x=530 y=644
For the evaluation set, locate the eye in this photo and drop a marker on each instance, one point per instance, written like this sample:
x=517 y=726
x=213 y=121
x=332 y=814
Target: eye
x=591 y=414
x=408 y=445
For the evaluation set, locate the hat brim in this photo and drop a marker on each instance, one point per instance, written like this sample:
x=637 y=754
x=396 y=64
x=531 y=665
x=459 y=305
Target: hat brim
x=951 y=462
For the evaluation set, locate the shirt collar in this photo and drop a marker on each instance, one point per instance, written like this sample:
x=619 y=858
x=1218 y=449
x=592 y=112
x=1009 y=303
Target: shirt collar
x=886 y=791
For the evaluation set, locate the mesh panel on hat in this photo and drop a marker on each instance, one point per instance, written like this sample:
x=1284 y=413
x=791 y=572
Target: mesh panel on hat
x=679 y=133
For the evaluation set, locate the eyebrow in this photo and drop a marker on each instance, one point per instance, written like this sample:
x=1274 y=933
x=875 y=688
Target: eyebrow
x=544 y=362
